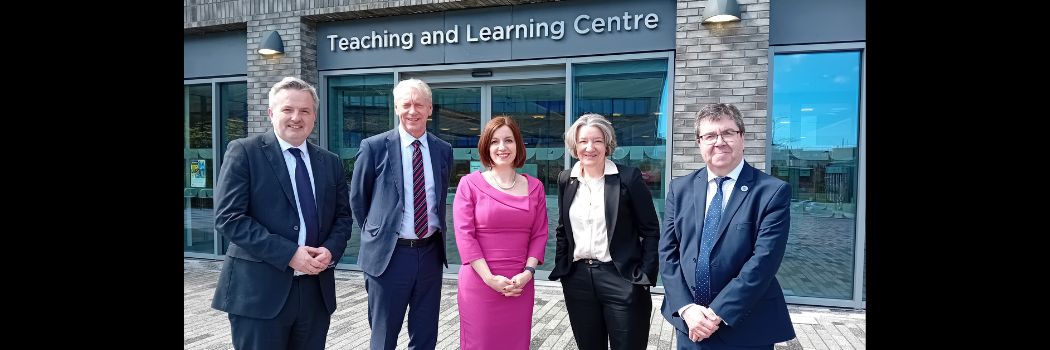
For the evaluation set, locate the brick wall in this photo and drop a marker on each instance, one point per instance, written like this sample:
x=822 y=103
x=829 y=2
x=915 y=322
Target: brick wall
x=720 y=63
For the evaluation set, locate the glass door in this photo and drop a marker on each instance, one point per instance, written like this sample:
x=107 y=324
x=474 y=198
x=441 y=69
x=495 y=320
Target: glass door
x=539 y=110
x=457 y=120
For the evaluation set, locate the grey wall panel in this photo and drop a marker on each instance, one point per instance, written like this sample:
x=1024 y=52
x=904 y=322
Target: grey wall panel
x=816 y=21
x=215 y=54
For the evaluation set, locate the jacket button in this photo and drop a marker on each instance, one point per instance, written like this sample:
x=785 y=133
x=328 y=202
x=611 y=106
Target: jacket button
x=694 y=260
x=296 y=227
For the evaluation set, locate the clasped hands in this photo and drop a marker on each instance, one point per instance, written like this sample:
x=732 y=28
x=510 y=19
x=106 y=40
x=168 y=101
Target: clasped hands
x=702 y=322
x=311 y=260
x=509 y=287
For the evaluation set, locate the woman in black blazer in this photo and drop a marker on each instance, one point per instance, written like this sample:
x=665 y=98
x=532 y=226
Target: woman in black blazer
x=606 y=242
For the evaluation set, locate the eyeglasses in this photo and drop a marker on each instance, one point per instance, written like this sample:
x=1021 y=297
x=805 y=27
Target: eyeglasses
x=729 y=136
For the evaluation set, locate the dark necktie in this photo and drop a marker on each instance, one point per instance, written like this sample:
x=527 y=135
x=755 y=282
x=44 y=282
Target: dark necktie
x=307 y=203
x=419 y=197
x=707 y=241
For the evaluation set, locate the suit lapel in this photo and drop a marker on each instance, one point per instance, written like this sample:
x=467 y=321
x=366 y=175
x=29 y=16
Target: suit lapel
x=700 y=202
x=569 y=196
x=746 y=180
x=272 y=149
x=393 y=157
x=317 y=164
x=440 y=168
x=612 y=202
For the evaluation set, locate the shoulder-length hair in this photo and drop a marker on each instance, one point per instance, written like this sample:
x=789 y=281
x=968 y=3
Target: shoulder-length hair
x=486 y=138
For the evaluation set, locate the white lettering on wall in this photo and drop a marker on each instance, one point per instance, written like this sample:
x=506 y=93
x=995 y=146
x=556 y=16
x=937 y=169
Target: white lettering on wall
x=583 y=24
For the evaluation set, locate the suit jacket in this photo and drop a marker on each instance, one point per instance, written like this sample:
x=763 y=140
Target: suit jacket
x=256 y=210
x=630 y=217
x=377 y=195
x=747 y=252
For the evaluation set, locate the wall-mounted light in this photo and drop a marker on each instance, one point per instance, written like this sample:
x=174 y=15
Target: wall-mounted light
x=481 y=73
x=718 y=11
x=272 y=44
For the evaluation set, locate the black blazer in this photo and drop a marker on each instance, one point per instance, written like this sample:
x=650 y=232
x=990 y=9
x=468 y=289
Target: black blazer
x=630 y=217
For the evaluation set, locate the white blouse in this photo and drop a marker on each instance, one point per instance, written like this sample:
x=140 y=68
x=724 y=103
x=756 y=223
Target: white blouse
x=587 y=215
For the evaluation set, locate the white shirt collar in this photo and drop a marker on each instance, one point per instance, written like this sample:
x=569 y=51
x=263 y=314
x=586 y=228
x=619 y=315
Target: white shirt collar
x=577 y=169
x=285 y=145
x=406 y=138
x=734 y=175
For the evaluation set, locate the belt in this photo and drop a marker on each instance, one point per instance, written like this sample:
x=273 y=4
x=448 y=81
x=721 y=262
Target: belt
x=593 y=262
x=419 y=242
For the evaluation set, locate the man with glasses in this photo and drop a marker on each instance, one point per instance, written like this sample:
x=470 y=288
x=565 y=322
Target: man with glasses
x=723 y=238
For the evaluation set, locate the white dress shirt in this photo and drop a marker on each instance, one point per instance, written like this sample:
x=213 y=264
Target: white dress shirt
x=408 y=230
x=587 y=215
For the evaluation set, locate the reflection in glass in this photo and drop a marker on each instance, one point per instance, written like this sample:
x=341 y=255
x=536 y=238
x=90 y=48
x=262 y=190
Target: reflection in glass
x=198 y=214
x=456 y=119
x=815 y=132
x=633 y=96
x=233 y=114
x=539 y=111
x=359 y=106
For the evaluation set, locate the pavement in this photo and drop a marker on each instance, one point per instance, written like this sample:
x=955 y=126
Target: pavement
x=205 y=328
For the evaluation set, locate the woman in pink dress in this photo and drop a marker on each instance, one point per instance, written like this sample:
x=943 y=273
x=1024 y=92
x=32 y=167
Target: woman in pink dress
x=500 y=218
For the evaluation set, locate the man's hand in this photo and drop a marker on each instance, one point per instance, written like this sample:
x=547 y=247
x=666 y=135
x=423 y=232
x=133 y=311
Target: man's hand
x=321 y=254
x=702 y=322
x=303 y=261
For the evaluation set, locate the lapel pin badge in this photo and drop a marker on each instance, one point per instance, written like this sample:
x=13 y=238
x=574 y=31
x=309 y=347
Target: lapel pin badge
x=743 y=188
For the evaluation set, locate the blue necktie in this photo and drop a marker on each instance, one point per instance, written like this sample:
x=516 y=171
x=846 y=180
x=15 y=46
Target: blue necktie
x=307 y=203
x=707 y=241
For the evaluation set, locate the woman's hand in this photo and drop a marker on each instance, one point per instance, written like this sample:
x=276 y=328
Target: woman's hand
x=518 y=283
x=499 y=283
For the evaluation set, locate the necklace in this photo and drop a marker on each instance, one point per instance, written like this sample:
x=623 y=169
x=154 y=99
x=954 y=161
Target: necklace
x=498 y=184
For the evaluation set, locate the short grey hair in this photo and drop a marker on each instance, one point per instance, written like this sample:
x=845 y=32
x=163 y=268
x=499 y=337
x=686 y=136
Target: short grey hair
x=595 y=120
x=715 y=112
x=405 y=87
x=292 y=83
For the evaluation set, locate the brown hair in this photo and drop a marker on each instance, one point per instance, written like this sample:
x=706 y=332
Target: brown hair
x=486 y=136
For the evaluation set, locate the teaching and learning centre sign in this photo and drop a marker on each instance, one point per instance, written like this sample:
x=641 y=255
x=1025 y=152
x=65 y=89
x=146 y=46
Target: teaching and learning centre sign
x=545 y=30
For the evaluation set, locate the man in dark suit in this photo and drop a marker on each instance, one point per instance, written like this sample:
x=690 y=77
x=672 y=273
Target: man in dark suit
x=606 y=242
x=397 y=193
x=284 y=206
x=724 y=235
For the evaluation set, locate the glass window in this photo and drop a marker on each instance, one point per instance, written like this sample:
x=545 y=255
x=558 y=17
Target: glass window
x=198 y=155
x=815 y=115
x=199 y=214
x=633 y=95
x=359 y=106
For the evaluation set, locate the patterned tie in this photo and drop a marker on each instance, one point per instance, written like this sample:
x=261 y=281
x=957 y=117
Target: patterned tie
x=707 y=241
x=307 y=203
x=419 y=197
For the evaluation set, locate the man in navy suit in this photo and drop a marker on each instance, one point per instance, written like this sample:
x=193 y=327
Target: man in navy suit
x=284 y=206
x=719 y=264
x=397 y=193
